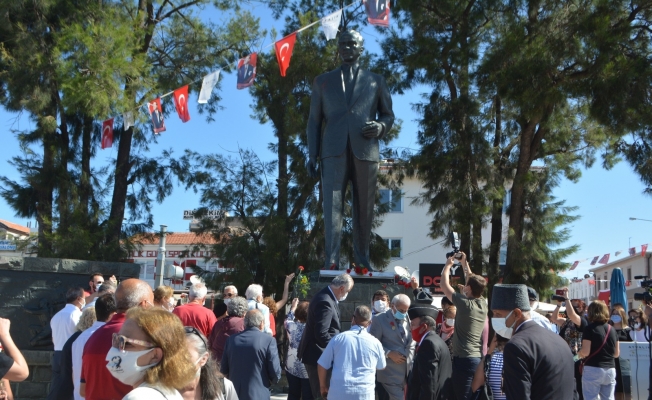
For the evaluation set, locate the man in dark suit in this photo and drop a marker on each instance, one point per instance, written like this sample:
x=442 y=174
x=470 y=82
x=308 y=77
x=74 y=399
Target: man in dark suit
x=250 y=359
x=322 y=324
x=537 y=363
x=431 y=373
x=354 y=108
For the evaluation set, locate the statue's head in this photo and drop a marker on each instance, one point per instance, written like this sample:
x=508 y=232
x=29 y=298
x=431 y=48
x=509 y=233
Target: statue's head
x=350 y=45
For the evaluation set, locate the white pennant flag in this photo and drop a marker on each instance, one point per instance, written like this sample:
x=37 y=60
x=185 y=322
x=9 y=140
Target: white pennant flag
x=207 y=86
x=330 y=23
x=128 y=119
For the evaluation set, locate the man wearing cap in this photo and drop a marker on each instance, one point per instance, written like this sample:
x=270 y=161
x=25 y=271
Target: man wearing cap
x=533 y=296
x=430 y=377
x=537 y=364
x=392 y=328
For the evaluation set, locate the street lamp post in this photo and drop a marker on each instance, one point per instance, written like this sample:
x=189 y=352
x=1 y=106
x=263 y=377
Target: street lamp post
x=160 y=267
x=639 y=219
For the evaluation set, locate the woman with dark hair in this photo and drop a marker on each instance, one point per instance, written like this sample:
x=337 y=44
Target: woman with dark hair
x=600 y=348
x=209 y=383
x=299 y=385
x=447 y=327
x=273 y=311
x=618 y=321
x=640 y=330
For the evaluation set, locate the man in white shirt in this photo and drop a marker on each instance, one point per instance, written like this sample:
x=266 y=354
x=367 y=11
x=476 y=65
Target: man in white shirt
x=63 y=325
x=105 y=308
x=254 y=295
x=354 y=357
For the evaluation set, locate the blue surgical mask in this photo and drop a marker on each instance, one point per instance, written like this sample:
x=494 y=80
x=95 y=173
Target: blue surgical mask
x=399 y=315
x=616 y=319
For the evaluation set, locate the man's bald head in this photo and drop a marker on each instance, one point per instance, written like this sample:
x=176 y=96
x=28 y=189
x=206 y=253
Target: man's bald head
x=133 y=293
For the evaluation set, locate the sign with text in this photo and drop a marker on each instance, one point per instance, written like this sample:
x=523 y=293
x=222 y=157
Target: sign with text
x=430 y=276
x=7 y=245
x=211 y=214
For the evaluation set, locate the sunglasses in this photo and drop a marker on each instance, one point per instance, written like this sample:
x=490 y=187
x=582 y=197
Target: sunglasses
x=120 y=341
x=192 y=329
x=228 y=295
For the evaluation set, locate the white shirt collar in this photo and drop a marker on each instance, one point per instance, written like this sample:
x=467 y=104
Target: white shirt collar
x=424 y=336
x=336 y=300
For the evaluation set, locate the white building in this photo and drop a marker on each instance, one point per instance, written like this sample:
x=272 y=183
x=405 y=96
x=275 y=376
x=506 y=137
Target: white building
x=631 y=266
x=583 y=289
x=11 y=236
x=178 y=251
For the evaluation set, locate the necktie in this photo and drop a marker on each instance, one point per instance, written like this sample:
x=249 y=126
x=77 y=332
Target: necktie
x=399 y=322
x=347 y=72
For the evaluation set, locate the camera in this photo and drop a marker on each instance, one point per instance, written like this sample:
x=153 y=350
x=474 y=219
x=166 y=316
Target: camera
x=646 y=296
x=557 y=297
x=454 y=239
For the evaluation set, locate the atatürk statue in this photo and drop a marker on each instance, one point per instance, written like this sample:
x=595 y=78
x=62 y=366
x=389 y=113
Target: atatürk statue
x=350 y=110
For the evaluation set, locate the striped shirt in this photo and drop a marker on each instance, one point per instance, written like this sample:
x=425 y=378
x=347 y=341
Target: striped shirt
x=495 y=375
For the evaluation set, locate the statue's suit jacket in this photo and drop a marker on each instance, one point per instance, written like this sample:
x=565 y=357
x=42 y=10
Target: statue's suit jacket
x=390 y=337
x=333 y=120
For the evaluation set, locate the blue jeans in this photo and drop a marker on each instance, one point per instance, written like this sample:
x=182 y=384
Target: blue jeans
x=299 y=388
x=598 y=383
x=463 y=371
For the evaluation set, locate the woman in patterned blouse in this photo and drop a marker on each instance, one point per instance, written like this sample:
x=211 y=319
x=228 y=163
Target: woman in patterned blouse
x=299 y=386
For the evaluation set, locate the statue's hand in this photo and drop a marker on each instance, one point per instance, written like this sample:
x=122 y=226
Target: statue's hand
x=372 y=129
x=312 y=168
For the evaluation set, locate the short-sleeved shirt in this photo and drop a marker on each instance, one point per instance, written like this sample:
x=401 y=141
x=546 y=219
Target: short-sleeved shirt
x=196 y=315
x=6 y=363
x=596 y=332
x=100 y=384
x=469 y=323
x=354 y=355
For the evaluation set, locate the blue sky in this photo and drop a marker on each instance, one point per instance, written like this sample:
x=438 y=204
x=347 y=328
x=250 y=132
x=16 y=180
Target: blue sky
x=606 y=199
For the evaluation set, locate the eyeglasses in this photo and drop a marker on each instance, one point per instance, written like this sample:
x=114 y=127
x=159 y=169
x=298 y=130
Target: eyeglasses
x=228 y=294
x=119 y=342
x=192 y=329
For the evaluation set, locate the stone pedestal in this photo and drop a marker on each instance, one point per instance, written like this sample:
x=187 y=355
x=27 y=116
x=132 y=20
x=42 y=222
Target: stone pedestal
x=37 y=385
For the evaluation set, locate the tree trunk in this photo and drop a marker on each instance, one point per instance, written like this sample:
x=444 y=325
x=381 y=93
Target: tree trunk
x=45 y=197
x=493 y=270
x=86 y=189
x=120 y=186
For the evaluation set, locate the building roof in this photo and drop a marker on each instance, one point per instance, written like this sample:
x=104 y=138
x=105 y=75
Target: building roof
x=179 y=238
x=14 y=227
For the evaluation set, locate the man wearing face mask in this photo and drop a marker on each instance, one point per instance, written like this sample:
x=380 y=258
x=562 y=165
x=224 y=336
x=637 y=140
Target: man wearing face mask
x=431 y=373
x=254 y=295
x=537 y=363
x=96 y=381
x=63 y=325
x=379 y=303
x=228 y=293
x=392 y=328
x=322 y=324
x=354 y=357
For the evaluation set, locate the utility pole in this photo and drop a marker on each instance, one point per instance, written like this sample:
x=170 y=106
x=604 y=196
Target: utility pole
x=160 y=265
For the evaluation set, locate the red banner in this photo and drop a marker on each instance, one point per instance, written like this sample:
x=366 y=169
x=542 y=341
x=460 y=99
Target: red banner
x=574 y=265
x=284 y=49
x=181 y=103
x=595 y=260
x=377 y=12
x=107 y=133
x=643 y=250
x=604 y=259
x=247 y=71
x=156 y=112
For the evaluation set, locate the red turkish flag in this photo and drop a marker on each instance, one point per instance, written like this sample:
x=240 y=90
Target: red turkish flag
x=574 y=265
x=377 y=12
x=284 y=49
x=643 y=250
x=595 y=260
x=181 y=103
x=107 y=133
x=604 y=259
x=156 y=113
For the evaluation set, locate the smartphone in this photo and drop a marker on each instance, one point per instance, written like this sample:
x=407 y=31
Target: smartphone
x=559 y=292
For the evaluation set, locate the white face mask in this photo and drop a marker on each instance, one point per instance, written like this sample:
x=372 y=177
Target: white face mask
x=123 y=365
x=82 y=304
x=637 y=325
x=450 y=321
x=227 y=301
x=380 y=306
x=500 y=326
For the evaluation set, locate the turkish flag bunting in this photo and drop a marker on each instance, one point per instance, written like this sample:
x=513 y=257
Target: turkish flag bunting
x=284 y=49
x=643 y=250
x=181 y=103
x=604 y=259
x=632 y=251
x=107 y=133
x=377 y=12
x=595 y=260
x=574 y=265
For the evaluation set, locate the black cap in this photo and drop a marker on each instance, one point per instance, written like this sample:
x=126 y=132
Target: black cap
x=532 y=294
x=418 y=310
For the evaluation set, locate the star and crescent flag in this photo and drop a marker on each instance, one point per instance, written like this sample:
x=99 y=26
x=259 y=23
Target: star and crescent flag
x=595 y=260
x=330 y=23
x=107 y=133
x=156 y=113
x=604 y=259
x=575 y=264
x=377 y=12
x=284 y=49
x=181 y=103
x=643 y=250
x=207 y=85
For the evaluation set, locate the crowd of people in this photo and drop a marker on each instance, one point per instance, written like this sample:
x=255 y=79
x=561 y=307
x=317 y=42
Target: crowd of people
x=125 y=341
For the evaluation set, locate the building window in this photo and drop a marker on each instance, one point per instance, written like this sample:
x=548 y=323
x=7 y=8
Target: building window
x=393 y=198
x=394 y=246
x=629 y=274
x=606 y=281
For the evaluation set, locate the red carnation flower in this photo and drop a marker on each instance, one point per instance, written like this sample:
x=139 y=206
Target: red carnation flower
x=370 y=274
x=365 y=271
x=332 y=266
x=300 y=267
x=348 y=271
x=358 y=270
x=397 y=277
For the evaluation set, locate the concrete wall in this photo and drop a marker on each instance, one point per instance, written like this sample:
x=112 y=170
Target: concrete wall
x=37 y=385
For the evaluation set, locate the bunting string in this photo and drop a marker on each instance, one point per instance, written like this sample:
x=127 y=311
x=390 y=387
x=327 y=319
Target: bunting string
x=377 y=14
x=605 y=258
